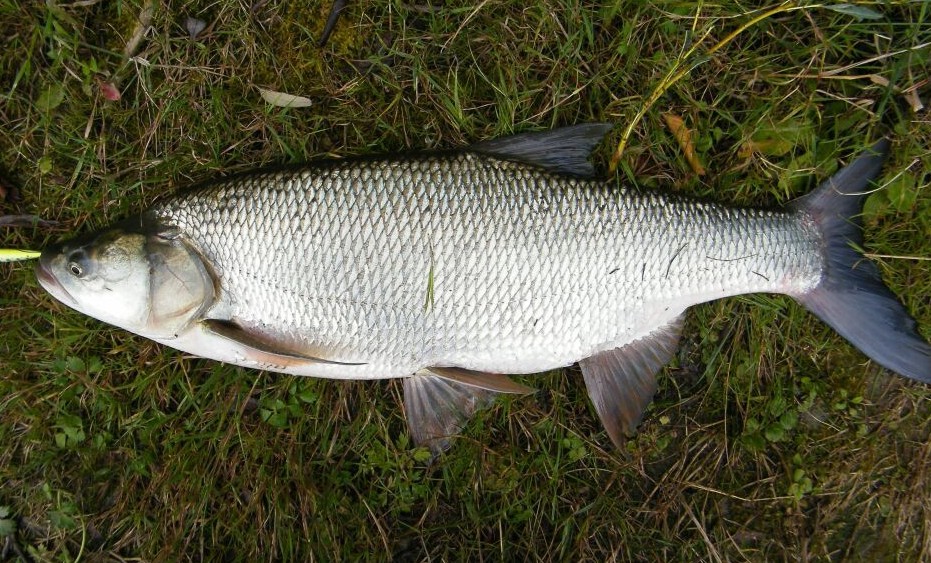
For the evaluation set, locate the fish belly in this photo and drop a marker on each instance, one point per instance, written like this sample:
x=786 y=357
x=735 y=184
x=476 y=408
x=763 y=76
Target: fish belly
x=469 y=261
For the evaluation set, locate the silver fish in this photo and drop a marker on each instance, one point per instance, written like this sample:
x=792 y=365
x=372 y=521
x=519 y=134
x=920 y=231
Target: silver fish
x=452 y=269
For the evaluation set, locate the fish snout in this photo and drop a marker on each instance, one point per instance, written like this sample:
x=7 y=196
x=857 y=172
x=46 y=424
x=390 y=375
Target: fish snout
x=46 y=277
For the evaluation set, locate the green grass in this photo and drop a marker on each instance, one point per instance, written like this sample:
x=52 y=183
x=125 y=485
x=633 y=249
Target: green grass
x=770 y=438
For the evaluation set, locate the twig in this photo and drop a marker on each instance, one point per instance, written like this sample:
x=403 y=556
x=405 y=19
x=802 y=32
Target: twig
x=25 y=221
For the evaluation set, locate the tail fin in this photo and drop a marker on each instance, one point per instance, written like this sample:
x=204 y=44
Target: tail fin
x=851 y=296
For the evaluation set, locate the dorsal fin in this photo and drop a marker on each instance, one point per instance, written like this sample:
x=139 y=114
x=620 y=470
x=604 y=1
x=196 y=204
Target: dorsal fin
x=565 y=149
x=621 y=382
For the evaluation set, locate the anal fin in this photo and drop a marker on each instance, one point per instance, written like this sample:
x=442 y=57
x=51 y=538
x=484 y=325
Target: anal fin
x=263 y=349
x=621 y=382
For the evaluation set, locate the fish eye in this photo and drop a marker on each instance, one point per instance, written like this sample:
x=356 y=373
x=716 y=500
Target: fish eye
x=77 y=263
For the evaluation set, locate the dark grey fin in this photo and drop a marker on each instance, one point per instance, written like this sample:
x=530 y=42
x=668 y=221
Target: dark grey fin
x=565 y=149
x=621 y=382
x=851 y=296
x=496 y=382
x=335 y=10
x=264 y=349
x=438 y=408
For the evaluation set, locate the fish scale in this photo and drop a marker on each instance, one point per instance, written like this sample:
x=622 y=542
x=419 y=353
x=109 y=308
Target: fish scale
x=530 y=270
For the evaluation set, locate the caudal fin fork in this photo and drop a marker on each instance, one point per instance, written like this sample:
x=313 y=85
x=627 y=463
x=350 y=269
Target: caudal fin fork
x=852 y=297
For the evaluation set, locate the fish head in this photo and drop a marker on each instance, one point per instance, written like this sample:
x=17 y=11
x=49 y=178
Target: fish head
x=151 y=283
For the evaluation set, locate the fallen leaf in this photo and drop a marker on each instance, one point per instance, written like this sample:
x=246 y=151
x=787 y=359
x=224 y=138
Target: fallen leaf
x=50 y=98
x=282 y=100
x=109 y=90
x=684 y=137
x=194 y=26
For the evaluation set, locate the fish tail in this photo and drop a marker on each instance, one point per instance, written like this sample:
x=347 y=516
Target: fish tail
x=851 y=296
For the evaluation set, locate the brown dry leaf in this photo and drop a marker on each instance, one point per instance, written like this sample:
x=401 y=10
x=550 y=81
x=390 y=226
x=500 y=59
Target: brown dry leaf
x=684 y=136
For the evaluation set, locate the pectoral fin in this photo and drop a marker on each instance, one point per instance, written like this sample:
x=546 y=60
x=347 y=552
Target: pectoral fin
x=263 y=349
x=621 y=382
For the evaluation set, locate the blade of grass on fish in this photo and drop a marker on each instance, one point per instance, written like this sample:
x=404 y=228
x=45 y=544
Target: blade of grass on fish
x=428 y=301
x=16 y=255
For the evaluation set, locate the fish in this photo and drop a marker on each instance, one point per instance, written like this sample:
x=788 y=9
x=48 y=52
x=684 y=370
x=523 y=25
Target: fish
x=454 y=270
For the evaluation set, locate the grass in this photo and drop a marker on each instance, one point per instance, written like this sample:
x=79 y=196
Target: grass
x=770 y=438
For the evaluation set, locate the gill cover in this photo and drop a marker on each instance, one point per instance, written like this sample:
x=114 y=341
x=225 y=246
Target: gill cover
x=180 y=285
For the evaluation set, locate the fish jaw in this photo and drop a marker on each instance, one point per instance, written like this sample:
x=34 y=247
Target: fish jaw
x=51 y=284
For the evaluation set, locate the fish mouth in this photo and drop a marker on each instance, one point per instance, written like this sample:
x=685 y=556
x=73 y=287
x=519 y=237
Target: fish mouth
x=50 y=283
